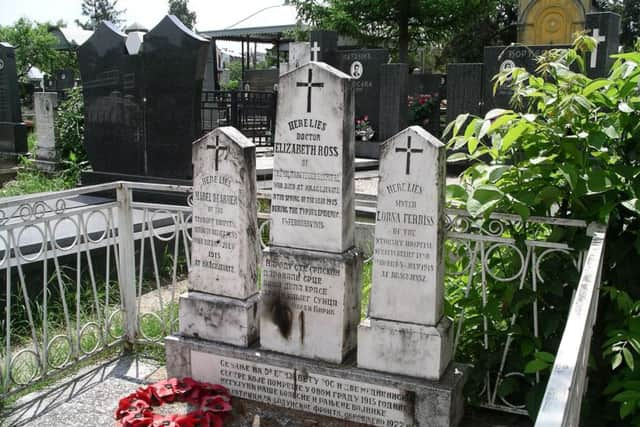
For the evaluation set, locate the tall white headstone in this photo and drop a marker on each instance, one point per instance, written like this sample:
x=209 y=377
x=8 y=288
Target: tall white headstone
x=311 y=274
x=44 y=105
x=314 y=153
x=406 y=332
x=222 y=301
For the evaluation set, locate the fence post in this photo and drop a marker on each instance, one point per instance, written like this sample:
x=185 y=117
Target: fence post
x=127 y=256
x=234 y=109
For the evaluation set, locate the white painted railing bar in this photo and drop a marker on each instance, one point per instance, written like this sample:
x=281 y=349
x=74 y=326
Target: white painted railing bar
x=127 y=258
x=563 y=396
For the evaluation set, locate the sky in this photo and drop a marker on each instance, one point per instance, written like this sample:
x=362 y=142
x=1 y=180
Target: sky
x=211 y=14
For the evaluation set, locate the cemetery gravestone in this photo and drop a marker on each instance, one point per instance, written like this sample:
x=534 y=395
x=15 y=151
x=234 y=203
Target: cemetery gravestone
x=406 y=332
x=605 y=28
x=363 y=65
x=394 y=87
x=464 y=91
x=222 y=300
x=310 y=277
x=323 y=46
x=174 y=59
x=114 y=106
x=13 y=132
x=45 y=103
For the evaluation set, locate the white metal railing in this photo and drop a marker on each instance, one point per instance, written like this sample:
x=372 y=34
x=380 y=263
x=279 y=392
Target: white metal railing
x=109 y=274
x=565 y=389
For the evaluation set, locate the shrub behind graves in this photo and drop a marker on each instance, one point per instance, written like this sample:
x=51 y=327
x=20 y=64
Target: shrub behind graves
x=572 y=149
x=70 y=132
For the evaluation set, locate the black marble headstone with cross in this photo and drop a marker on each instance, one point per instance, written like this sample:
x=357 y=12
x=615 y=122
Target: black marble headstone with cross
x=13 y=133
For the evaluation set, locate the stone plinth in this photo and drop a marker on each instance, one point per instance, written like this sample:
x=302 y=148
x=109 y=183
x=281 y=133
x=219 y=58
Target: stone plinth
x=343 y=392
x=310 y=303
x=405 y=348
x=216 y=318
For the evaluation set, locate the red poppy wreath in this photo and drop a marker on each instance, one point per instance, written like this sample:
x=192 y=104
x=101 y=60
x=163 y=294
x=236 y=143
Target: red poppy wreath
x=212 y=403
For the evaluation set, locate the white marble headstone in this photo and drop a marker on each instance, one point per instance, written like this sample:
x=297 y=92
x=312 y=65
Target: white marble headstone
x=225 y=248
x=314 y=152
x=408 y=263
x=44 y=105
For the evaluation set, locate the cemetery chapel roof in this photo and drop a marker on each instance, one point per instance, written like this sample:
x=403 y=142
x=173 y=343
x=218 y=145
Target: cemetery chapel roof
x=267 y=34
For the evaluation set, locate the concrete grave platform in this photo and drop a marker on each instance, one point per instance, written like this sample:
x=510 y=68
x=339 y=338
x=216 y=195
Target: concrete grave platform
x=338 y=391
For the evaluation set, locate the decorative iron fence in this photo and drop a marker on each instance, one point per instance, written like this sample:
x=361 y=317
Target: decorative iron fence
x=83 y=278
x=252 y=113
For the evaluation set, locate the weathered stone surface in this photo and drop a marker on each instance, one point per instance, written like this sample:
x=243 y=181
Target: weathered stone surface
x=408 y=261
x=405 y=348
x=310 y=303
x=342 y=391
x=216 y=318
x=44 y=105
x=312 y=205
x=225 y=247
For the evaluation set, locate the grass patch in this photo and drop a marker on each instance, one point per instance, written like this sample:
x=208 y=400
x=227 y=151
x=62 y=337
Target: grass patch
x=29 y=181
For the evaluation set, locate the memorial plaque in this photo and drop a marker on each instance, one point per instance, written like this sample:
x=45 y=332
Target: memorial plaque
x=363 y=65
x=312 y=205
x=174 y=60
x=44 y=105
x=310 y=303
x=340 y=398
x=225 y=239
x=408 y=263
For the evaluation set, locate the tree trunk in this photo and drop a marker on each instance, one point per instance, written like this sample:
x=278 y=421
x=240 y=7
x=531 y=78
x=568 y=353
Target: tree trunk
x=403 y=32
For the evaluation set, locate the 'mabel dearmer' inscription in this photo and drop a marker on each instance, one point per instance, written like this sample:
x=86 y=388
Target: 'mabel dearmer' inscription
x=320 y=394
x=224 y=245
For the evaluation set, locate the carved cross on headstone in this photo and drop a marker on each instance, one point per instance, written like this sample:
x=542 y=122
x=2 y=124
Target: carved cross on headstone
x=594 y=54
x=408 y=150
x=315 y=50
x=218 y=148
x=309 y=84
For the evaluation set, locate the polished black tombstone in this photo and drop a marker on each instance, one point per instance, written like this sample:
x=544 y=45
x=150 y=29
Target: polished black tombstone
x=363 y=65
x=605 y=28
x=434 y=85
x=394 y=86
x=114 y=119
x=13 y=133
x=464 y=91
x=174 y=61
x=500 y=58
x=323 y=46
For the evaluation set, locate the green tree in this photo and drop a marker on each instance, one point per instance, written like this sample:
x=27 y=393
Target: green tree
x=98 y=11
x=409 y=23
x=180 y=8
x=35 y=47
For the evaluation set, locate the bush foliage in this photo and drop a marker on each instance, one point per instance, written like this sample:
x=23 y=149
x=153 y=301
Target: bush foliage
x=571 y=148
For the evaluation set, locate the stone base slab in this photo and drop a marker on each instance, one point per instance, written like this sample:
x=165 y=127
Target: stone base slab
x=45 y=165
x=405 y=348
x=339 y=391
x=310 y=302
x=217 y=318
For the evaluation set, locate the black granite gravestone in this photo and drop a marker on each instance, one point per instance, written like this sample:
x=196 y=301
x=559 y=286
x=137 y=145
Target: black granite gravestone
x=114 y=136
x=13 y=133
x=174 y=60
x=394 y=82
x=363 y=65
x=464 y=89
x=324 y=47
x=60 y=81
x=500 y=58
x=605 y=28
